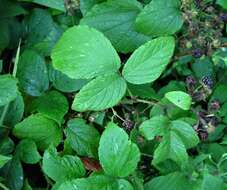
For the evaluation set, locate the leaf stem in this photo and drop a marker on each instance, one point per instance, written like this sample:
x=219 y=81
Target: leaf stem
x=4 y=187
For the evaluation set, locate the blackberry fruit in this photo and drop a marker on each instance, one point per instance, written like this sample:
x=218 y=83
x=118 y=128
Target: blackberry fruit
x=207 y=82
x=197 y=53
x=190 y=81
x=223 y=17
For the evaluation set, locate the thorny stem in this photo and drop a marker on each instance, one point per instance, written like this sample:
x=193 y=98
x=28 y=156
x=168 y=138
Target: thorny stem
x=14 y=75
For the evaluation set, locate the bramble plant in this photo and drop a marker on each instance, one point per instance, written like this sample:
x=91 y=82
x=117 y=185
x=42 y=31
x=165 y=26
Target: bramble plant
x=113 y=94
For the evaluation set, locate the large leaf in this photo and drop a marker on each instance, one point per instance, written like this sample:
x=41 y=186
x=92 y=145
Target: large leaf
x=32 y=73
x=86 y=5
x=185 y=132
x=101 y=93
x=42 y=130
x=13 y=174
x=62 y=168
x=222 y=3
x=172 y=181
x=84 y=139
x=154 y=127
x=8 y=89
x=180 y=99
x=99 y=182
x=118 y=155
x=10 y=9
x=115 y=18
x=63 y=83
x=83 y=53
x=27 y=151
x=160 y=17
x=59 y=4
x=53 y=105
x=148 y=62
x=43 y=33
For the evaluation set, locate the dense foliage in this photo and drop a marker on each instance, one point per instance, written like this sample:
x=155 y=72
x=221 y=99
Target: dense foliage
x=113 y=94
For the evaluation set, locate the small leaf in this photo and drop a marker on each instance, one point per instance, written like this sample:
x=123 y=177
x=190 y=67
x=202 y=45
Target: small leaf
x=62 y=168
x=115 y=18
x=148 y=62
x=84 y=53
x=32 y=73
x=159 y=18
x=53 y=105
x=154 y=127
x=185 y=132
x=180 y=99
x=15 y=111
x=4 y=160
x=27 y=151
x=101 y=93
x=42 y=130
x=84 y=139
x=171 y=147
x=8 y=89
x=118 y=155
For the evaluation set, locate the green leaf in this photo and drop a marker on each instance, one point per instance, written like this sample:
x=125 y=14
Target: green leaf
x=171 y=147
x=177 y=136
x=159 y=18
x=86 y=5
x=185 y=132
x=42 y=32
x=153 y=127
x=222 y=3
x=4 y=160
x=212 y=182
x=27 y=151
x=13 y=174
x=5 y=34
x=180 y=99
x=59 y=5
x=118 y=155
x=15 y=111
x=101 y=93
x=32 y=73
x=42 y=130
x=63 y=83
x=172 y=181
x=148 y=62
x=99 y=182
x=53 y=105
x=6 y=146
x=84 y=53
x=10 y=9
x=8 y=89
x=115 y=18
x=62 y=168
x=83 y=138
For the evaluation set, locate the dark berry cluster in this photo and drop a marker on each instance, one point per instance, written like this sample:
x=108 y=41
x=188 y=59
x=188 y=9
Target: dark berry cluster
x=207 y=123
x=207 y=82
x=197 y=53
x=223 y=17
